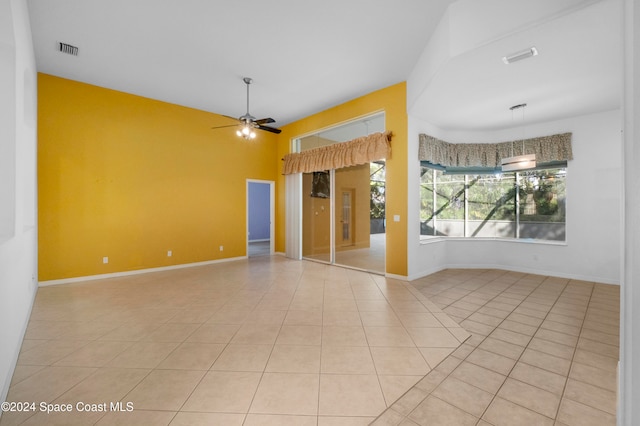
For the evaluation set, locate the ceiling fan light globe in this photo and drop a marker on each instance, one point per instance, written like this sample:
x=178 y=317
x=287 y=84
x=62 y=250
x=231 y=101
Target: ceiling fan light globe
x=252 y=135
x=238 y=132
x=245 y=130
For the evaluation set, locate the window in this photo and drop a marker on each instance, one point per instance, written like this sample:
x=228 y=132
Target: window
x=528 y=204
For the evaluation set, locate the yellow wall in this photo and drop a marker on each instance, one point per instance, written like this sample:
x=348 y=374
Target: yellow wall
x=391 y=100
x=130 y=178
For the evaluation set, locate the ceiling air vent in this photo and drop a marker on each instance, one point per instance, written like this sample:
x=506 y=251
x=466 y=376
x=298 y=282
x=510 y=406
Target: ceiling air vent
x=68 y=49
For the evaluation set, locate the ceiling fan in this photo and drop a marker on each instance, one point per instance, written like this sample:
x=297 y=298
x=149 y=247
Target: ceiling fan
x=249 y=122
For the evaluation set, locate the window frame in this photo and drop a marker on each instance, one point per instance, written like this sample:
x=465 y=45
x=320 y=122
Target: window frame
x=470 y=173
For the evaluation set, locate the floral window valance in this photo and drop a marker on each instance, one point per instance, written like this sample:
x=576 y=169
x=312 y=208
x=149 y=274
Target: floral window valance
x=548 y=149
x=338 y=155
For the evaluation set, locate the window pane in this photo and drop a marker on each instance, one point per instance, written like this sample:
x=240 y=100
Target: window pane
x=426 y=201
x=542 y=204
x=491 y=204
x=449 y=206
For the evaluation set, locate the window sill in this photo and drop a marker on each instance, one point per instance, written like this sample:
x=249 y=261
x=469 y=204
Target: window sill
x=424 y=240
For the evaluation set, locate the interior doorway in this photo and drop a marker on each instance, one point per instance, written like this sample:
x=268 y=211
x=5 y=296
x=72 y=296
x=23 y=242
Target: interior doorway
x=260 y=217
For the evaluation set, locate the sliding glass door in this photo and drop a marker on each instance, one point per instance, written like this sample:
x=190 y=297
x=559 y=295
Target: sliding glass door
x=343 y=209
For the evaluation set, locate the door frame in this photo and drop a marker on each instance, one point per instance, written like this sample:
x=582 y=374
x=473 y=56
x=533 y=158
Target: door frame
x=272 y=198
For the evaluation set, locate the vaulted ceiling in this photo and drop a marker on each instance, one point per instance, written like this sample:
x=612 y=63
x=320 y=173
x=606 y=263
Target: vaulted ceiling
x=307 y=56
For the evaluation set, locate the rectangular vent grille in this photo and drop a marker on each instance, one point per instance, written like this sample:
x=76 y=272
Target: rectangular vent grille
x=68 y=49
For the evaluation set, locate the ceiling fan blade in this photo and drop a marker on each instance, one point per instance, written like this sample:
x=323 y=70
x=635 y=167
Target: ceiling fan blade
x=265 y=121
x=270 y=129
x=221 y=127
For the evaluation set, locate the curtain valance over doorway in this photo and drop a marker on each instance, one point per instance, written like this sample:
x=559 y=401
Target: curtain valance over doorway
x=548 y=149
x=376 y=146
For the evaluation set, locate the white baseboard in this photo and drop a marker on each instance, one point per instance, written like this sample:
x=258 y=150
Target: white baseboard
x=136 y=272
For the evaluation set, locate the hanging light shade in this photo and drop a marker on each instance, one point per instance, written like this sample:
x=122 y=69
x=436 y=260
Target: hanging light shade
x=519 y=162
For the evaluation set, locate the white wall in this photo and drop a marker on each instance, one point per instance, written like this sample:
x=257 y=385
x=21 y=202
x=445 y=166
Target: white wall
x=594 y=206
x=18 y=252
x=629 y=379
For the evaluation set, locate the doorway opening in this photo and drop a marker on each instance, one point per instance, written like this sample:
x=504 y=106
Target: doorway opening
x=260 y=212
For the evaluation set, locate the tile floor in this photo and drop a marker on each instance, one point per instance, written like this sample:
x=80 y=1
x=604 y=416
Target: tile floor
x=543 y=351
x=254 y=342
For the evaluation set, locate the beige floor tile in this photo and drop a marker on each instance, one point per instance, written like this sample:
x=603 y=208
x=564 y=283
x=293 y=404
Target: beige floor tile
x=48 y=383
x=74 y=417
x=505 y=413
x=595 y=360
x=229 y=317
x=590 y=395
x=501 y=347
x=143 y=355
x=350 y=395
x=224 y=391
x=164 y=389
x=346 y=360
x=373 y=305
x=546 y=362
x=394 y=387
x=94 y=354
x=303 y=318
x=559 y=327
x=214 y=333
x=287 y=393
x=460 y=394
x=511 y=337
x=344 y=421
x=435 y=356
x=606 y=379
x=192 y=316
x=105 y=385
x=131 y=332
x=341 y=305
x=207 y=419
x=480 y=377
x=420 y=319
x=557 y=337
x=49 y=352
x=243 y=358
x=192 y=356
x=433 y=338
x=300 y=335
x=494 y=362
x=137 y=417
x=538 y=377
x=388 y=336
x=294 y=359
x=531 y=397
x=376 y=319
x=434 y=411
x=525 y=319
x=343 y=336
x=485 y=319
x=477 y=327
x=552 y=348
x=22 y=372
x=399 y=361
x=338 y=318
x=279 y=420
x=266 y=317
x=256 y=334
x=573 y=413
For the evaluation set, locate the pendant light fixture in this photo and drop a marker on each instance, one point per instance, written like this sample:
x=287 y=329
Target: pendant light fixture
x=523 y=161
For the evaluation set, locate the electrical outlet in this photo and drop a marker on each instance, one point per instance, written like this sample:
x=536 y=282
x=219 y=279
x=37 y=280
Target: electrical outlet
x=105 y=260
x=221 y=248
x=169 y=253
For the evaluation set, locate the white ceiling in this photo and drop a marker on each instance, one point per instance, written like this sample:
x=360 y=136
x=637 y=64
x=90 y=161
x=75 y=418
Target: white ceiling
x=303 y=56
x=307 y=56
